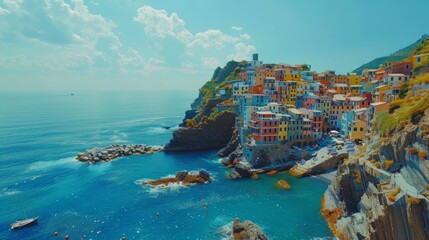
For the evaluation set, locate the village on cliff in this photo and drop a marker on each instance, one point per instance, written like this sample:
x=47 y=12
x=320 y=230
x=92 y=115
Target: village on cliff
x=279 y=106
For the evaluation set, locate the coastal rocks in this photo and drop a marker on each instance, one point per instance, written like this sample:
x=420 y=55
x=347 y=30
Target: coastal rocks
x=231 y=146
x=247 y=230
x=189 y=114
x=283 y=184
x=184 y=178
x=213 y=134
x=114 y=151
x=243 y=169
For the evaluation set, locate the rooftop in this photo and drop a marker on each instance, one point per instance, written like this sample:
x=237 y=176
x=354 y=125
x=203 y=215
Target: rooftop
x=294 y=111
x=377 y=103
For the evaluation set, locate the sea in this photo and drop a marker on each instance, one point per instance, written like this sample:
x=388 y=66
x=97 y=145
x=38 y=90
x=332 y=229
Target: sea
x=41 y=133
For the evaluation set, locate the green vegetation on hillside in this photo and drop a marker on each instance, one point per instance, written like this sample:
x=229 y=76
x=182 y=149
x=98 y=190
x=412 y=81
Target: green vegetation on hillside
x=422 y=48
x=402 y=111
x=222 y=79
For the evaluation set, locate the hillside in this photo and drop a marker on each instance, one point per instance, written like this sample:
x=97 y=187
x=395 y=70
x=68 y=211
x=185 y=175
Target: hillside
x=205 y=126
x=396 y=56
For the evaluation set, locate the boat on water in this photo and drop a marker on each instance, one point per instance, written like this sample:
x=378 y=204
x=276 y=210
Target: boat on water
x=23 y=223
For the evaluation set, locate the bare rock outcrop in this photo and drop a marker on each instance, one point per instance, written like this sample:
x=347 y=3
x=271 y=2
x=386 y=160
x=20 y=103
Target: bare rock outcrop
x=382 y=192
x=213 y=134
x=247 y=230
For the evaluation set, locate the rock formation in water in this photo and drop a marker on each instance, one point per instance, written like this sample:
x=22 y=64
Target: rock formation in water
x=212 y=134
x=114 y=151
x=247 y=230
x=382 y=192
x=182 y=177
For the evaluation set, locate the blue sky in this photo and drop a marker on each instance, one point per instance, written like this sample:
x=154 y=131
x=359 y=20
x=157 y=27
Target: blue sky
x=147 y=45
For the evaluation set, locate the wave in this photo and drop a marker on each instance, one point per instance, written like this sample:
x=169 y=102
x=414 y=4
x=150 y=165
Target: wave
x=147 y=120
x=9 y=192
x=69 y=162
x=224 y=232
x=154 y=191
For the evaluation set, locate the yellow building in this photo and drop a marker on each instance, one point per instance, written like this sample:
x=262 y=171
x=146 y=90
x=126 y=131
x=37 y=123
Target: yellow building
x=354 y=79
x=381 y=92
x=283 y=129
x=421 y=60
x=357 y=130
x=293 y=77
x=355 y=90
x=291 y=88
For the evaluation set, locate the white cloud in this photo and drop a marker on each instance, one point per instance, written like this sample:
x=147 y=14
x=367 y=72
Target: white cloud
x=235 y=28
x=80 y=38
x=242 y=51
x=210 y=62
x=161 y=24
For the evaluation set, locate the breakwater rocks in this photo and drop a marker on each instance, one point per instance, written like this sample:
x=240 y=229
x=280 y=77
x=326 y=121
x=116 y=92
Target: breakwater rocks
x=114 y=151
x=184 y=178
x=247 y=230
x=212 y=134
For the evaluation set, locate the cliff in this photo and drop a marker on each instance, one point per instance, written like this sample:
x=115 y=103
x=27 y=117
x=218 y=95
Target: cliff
x=205 y=126
x=382 y=191
x=211 y=134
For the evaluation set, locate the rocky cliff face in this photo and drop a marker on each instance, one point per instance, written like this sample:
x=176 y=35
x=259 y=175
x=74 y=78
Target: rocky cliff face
x=213 y=134
x=382 y=192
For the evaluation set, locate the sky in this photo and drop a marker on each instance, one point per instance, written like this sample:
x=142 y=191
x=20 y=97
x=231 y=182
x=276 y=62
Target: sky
x=176 y=45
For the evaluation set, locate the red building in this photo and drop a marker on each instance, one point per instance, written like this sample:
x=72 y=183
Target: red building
x=257 y=89
x=264 y=127
x=404 y=67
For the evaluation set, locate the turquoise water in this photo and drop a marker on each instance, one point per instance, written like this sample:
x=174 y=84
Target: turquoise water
x=41 y=133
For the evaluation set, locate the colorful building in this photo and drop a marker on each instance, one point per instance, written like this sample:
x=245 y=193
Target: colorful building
x=420 y=60
x=354 y=79
x=265 y=127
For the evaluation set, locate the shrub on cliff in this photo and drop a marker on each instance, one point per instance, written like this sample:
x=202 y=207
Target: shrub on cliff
x=422 y=155
x=190 y=123
x=388 y=164
x=411 y=109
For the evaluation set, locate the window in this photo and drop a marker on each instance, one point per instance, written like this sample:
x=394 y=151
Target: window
x=361 y=129
x=355 y=129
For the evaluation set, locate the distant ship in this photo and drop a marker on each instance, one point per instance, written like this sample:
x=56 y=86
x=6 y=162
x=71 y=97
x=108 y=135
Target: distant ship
x=23 y=223
x=72 y=94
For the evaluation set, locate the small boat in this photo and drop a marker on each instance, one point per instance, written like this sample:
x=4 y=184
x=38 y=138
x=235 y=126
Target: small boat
x=23 y=223
x=71 y=94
